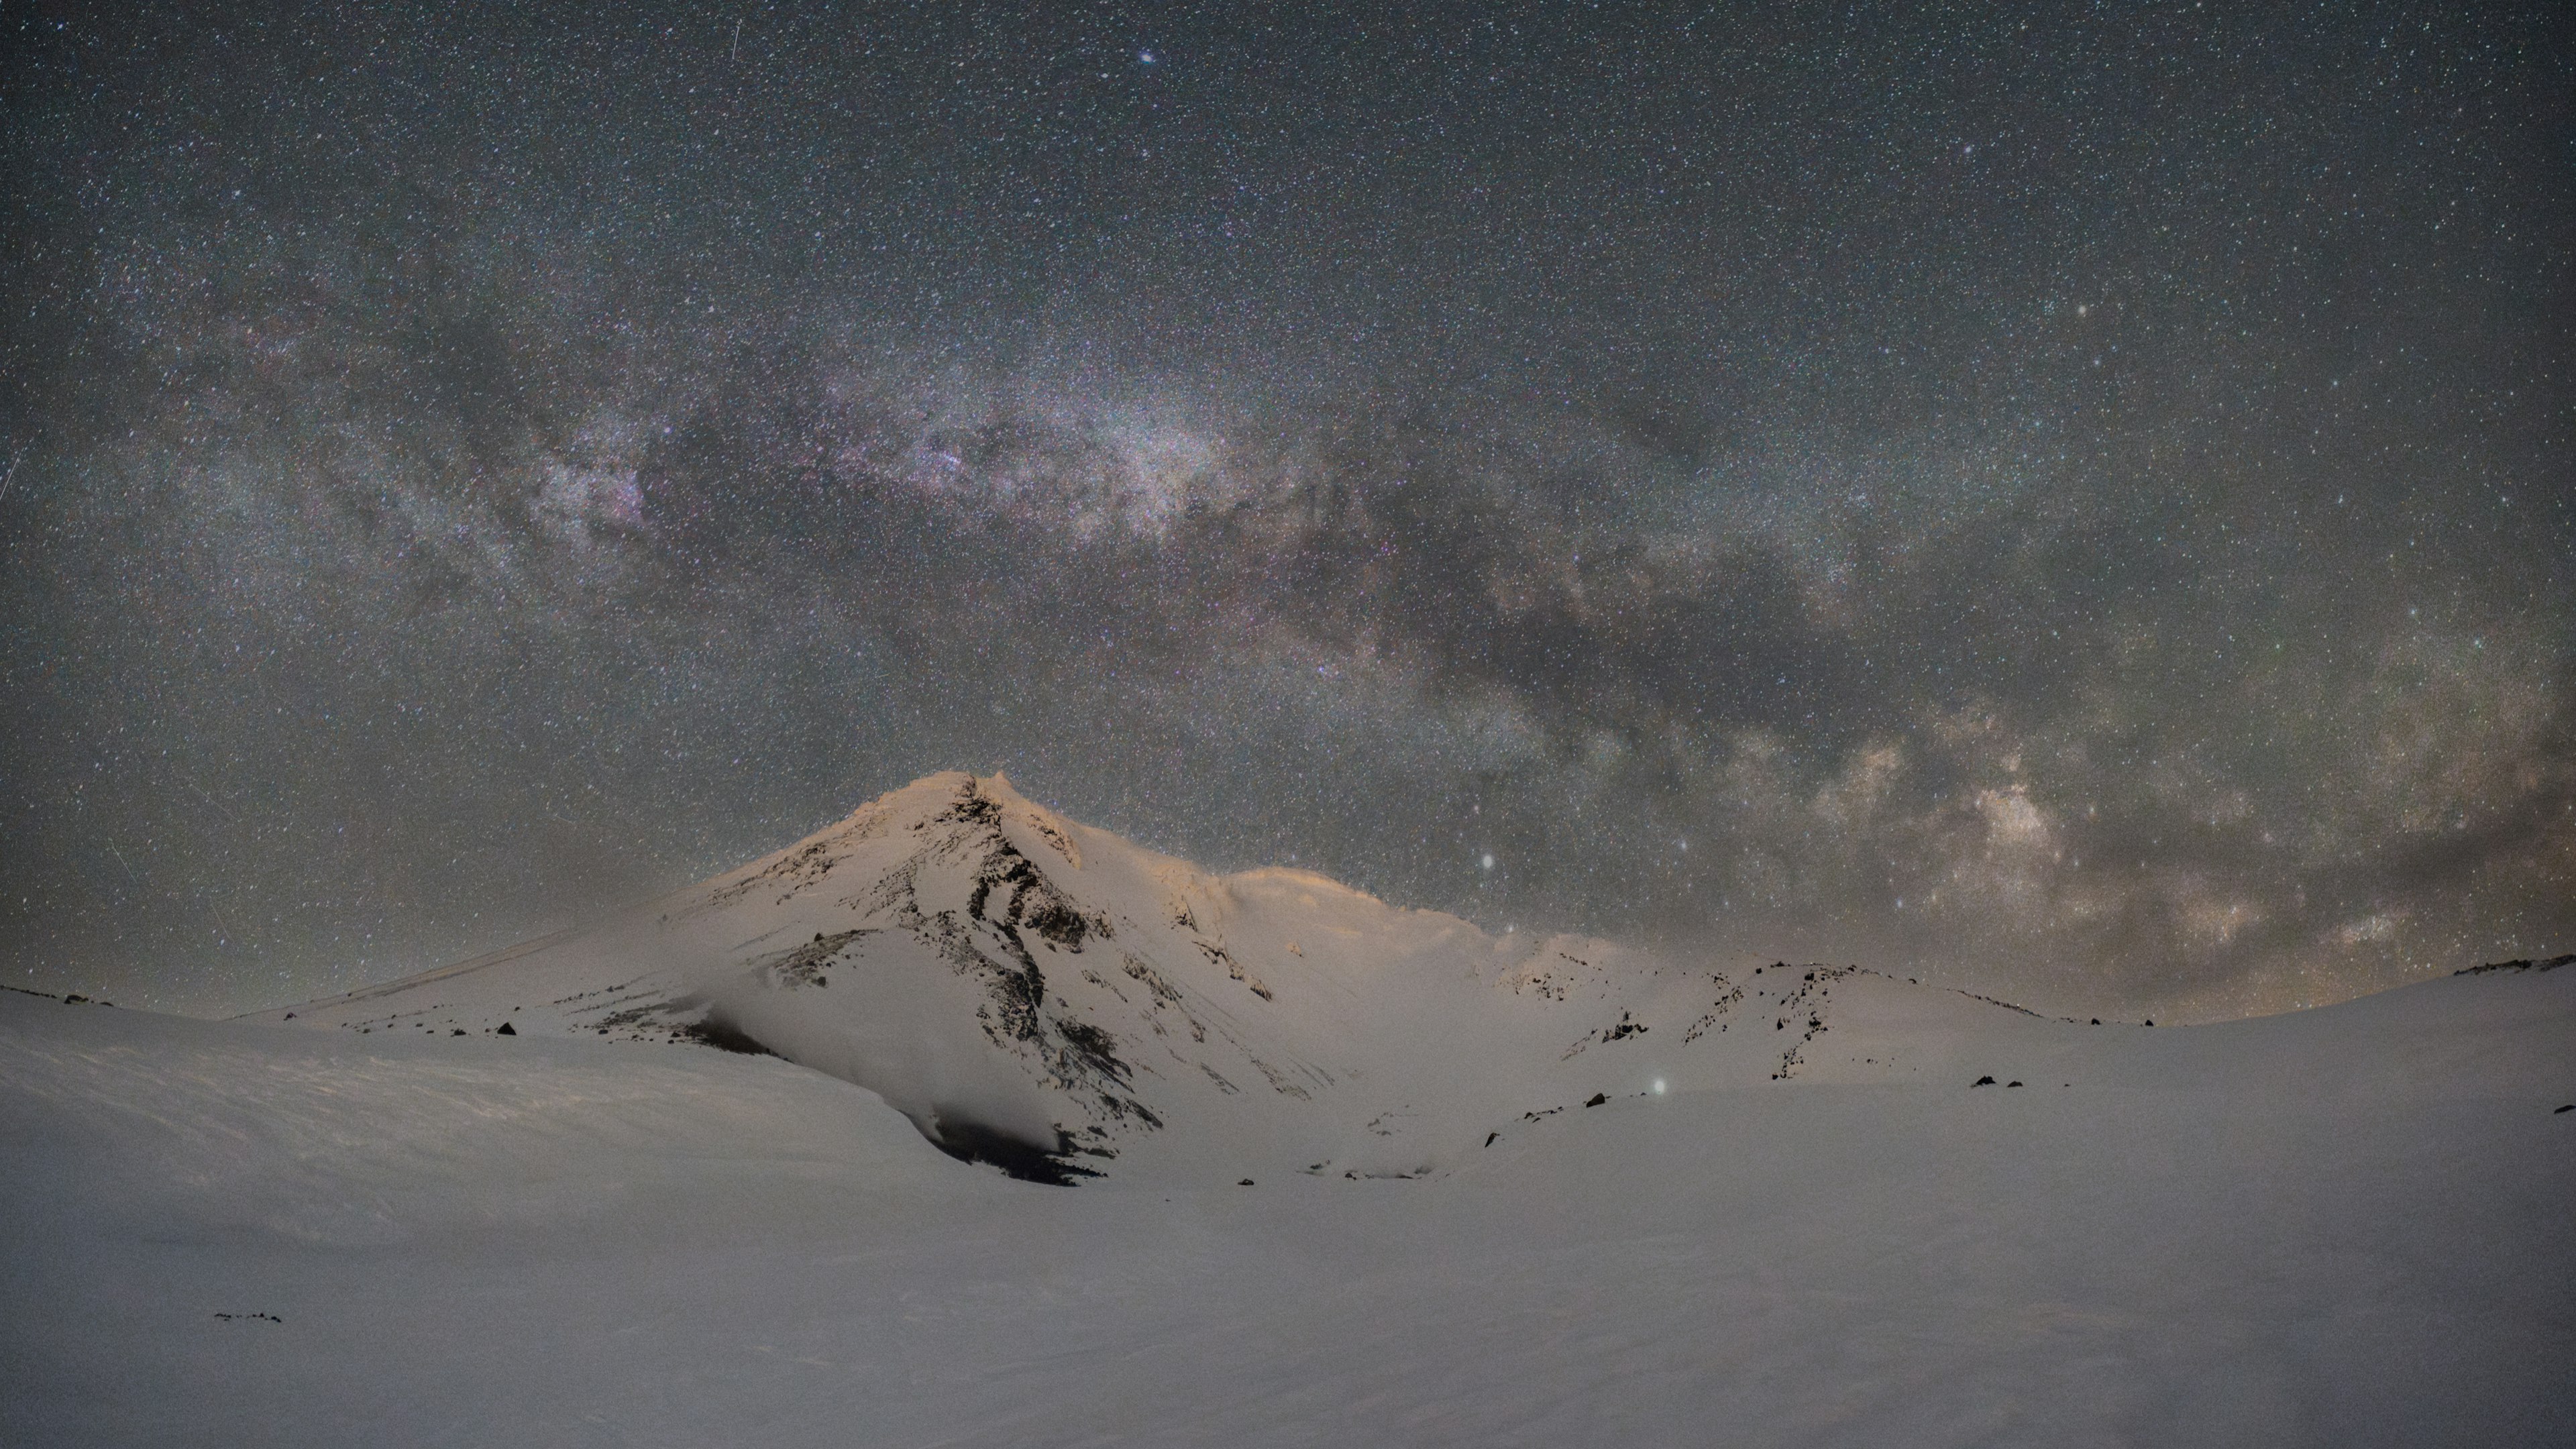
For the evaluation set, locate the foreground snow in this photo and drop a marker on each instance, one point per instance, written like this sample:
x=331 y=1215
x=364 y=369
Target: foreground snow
x=2343 y=1226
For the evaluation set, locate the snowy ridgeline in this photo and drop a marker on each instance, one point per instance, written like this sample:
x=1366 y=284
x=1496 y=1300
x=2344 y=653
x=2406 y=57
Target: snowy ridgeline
x=1348 y=1174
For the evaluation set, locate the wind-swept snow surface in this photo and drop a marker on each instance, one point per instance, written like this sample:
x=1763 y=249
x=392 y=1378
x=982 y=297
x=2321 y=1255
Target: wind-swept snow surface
x=1499 y=1191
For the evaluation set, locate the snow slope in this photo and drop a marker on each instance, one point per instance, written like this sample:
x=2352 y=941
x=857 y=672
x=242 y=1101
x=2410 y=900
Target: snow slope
x=1027 y=989
x=2342 y=1226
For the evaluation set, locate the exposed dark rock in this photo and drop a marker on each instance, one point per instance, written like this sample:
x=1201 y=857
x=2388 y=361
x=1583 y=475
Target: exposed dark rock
x=972 y=806
x=1597 y=1099
x=1983 y=1082
x=1057 y=921
x=1217 y=955
x=972 y=1141
x=723 y=1035
x=506 y=1030
x=804 y=964
x=1097 y=1049
x=2006 y=1005
x=2552 y=964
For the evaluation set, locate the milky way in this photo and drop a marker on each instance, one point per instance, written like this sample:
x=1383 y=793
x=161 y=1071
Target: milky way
x=2069 y=503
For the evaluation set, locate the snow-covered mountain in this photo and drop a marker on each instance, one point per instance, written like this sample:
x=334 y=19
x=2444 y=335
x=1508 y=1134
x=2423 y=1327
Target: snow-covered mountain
x=1363 y=1176
x=1058 y=1000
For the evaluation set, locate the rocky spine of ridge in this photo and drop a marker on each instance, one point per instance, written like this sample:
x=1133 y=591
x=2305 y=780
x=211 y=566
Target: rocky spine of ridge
x=1012 y=914
x=1012 y=899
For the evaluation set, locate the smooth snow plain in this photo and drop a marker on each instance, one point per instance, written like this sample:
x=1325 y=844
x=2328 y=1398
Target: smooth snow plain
x=2342 y=1226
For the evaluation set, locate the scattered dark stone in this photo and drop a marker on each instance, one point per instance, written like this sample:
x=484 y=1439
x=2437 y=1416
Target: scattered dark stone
x=1490 y=1136
x=2010 y=1085
x=1983 y=1082
x=1247 y=1182
x=238 y=1317
x=2097 y=1021
x=460 y=1031
x=290 y=1016
x=2570 y=1107
x=2151 y=1021
x=74 y=999
x=506 y=1030
x=1597 y=1099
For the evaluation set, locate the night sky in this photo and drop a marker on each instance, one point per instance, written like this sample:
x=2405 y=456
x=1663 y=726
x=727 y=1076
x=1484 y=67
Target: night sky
x=2071 y=502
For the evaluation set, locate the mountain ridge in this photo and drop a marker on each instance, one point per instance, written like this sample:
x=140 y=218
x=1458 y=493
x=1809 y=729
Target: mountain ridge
x=1053 y=999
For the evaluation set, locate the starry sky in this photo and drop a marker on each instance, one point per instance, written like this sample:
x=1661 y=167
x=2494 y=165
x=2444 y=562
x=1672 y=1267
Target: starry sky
x=2072 y=502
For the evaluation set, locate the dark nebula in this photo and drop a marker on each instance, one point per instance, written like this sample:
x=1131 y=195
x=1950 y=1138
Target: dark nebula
x=2069 y=502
